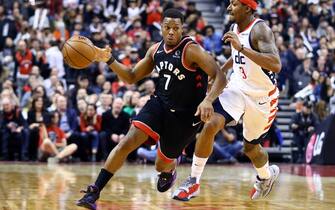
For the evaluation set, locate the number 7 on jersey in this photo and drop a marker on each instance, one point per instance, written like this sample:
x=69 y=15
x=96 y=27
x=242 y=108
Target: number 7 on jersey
x=168 y=78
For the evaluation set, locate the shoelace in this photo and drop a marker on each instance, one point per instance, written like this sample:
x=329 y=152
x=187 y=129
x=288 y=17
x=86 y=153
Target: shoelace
x=185 y=185
x=90 y=189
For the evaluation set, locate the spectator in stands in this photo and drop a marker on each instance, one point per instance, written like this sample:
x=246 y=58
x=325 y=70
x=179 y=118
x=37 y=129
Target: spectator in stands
x=323 y=89
x=90 y=126
x=142 y=101
x=54 y=57
x=37 y=91
x=131 y=57
x=99 y=82
x=302 y=74
x=132 y=12
x=8 y=53
x=115 y=124
x=134 y=100
x=147 y=154
x=69 y=123
x=82 y=82
x=148 y=87
x=226 y=147
x=7 y=27
x=24 y=60
x=9 y=93
x=303 y=125
x=112 y=24
x=321 y=110
x=52 y=81
x=212 y=41
x=154 y=14
x=192 y=15
x=36 y=71
x=53 y=143
x=36 y=116
x=107 y=87
x=14 y=136
x=81 y=107
x=105 y=101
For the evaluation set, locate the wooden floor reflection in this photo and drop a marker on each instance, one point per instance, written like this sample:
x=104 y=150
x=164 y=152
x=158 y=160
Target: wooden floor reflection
x=56 y=187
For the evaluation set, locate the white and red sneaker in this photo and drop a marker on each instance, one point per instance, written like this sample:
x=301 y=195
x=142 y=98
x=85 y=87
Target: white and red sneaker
x=263 y=187
x=189 y=189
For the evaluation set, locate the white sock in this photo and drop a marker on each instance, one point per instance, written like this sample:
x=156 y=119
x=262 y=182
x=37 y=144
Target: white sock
x=264 y=172
x=198 y=165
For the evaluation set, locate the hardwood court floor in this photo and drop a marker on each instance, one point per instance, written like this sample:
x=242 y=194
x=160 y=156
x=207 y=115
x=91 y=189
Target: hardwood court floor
x=56 y=187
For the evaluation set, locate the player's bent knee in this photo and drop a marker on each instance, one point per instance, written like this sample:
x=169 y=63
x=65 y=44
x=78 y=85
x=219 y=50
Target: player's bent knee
x=212 y=127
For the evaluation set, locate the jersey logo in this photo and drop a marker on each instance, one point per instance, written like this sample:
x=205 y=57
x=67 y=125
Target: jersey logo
x=176 y=54
x=165 y=65
x=195 y=124
x=239 y=59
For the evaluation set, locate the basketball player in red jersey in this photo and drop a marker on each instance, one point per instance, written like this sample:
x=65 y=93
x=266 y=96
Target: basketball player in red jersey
x=169 y=116
x=251 y=94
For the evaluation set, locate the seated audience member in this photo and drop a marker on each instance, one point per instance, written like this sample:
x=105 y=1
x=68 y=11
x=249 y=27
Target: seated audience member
x=226 y=147
x=90 y=126
x=36 y=116
x=53 y=143
x=115 y=124
x=13 y=132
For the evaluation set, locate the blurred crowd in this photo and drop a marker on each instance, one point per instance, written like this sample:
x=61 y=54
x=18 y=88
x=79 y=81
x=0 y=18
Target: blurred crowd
x=52 y=112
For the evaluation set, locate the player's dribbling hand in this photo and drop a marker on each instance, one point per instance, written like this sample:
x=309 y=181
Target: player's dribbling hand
x=102 y=54
x=231 y=37
x=205 y=110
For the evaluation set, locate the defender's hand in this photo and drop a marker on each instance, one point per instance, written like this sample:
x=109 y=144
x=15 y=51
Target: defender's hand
x=205 y=110
x=102 y=54
x=231 y=37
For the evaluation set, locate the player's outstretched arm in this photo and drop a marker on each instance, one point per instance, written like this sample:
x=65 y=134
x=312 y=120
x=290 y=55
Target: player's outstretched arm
x=263 y=41
x=227 y=65
x=197 y=57
x=129 y=75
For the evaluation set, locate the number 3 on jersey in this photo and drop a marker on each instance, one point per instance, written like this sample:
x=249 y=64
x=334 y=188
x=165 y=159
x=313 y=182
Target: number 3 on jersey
x=168 y=78
x=239 y=59
x=244 y=75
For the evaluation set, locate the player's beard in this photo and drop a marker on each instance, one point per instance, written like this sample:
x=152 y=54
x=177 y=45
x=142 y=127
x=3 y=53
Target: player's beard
x=231 y=18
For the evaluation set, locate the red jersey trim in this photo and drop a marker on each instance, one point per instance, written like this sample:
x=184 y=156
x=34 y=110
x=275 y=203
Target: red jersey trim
x=248 y=26
x=163 y=157
x=181 y=41
x=146 y=129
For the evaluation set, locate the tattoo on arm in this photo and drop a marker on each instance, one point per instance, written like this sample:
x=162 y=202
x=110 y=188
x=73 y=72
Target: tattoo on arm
x=263 y=39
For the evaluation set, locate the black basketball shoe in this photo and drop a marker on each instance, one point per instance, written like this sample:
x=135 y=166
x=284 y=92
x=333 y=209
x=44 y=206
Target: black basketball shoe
x=166 y=180
x=91 y=195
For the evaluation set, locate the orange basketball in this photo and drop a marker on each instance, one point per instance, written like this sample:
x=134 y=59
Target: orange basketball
x=78 y=52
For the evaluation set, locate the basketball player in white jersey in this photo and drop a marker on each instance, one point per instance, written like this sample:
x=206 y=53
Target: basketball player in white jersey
x=251 y=94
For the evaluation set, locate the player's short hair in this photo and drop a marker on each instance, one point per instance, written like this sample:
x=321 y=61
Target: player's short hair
x=173 y=13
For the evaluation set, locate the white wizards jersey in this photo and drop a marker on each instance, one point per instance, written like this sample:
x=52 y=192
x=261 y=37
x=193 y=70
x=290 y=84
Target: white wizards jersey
x=249 y=77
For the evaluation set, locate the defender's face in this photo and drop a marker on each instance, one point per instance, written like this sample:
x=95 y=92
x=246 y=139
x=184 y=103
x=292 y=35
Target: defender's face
x=236 y=11
x=172 y=30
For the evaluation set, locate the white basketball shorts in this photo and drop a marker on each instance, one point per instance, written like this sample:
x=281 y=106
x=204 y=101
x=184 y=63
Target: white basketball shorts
x=257 y=113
